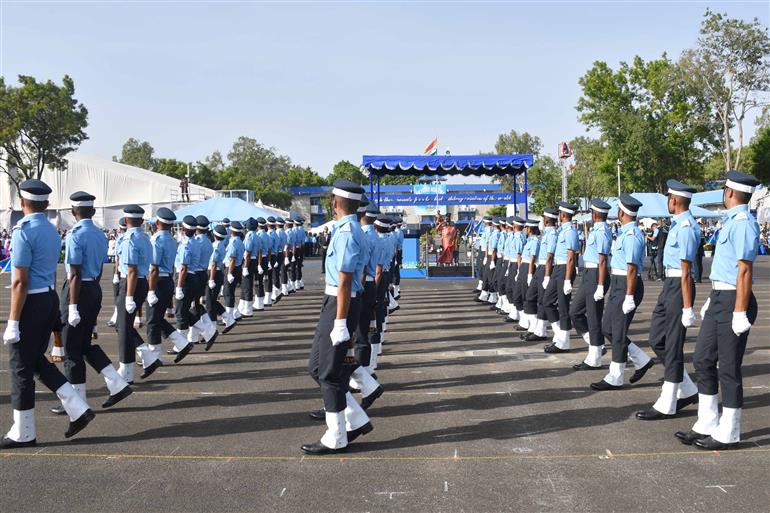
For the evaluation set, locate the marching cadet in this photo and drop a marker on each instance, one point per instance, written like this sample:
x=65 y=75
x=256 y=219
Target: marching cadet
x=214 y=308
x=588 y=305
x=527 y=268
x=494 y=259
x=294 y=246
x=160 y=296
x=626 y=293
x=273 y=291
x=673 y=313
x=283 y=255
x=84 y=255
x=483 y=258
x=187 y=254
x=35 y=247
x=345 y=419
x=393 y=238
x=246 y=303
x=399 y=258
x=288 y=230
x=260 y=266
x=382 y=223
x=537 y=286
x=502 y=266
x=302 y=236
x=233 y=263
x=519 y=239
x=134 y=254
x=559 y=293
x=116 y=274
x=728 y=315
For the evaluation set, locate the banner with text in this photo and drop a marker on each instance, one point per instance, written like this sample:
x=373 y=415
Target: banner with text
x=430 y=200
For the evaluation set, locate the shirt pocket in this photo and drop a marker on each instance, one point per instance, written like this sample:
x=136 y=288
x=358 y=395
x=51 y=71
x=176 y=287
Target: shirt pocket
x=724 y=236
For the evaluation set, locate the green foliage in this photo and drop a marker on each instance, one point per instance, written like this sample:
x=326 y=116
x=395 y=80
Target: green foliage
x=593 y=175
x=516 y=143
x=760 y=149
x=170 y=167
x=344 y=170
x=544 y=183
x=497 y=210
x=138 y=154
x=398 y=180
x=40 y=123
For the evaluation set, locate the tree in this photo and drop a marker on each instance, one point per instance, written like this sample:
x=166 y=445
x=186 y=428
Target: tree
x=215 y=162
x=40 y=123
x=544 y=183
x=731 y=66
x=137 y=153
x=171 y=167
x=299 y=176
x=497 y=210
x=593 y=174
x=760 y=149
x=398 y=180
x=516 y=143
x=344 y=170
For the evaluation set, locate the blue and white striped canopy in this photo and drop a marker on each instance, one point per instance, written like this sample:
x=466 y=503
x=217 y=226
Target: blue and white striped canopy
x=466 y=165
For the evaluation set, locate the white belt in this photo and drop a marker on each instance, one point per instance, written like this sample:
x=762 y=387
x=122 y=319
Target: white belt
x=39 y=291
x=621 y=272
x=720 y=285
x=87 y=279
x=163 y=275
x=673 y=273
x=590 y=265
x=561 y=262
x=507 y=259
x=331 y=290
x=370 y=278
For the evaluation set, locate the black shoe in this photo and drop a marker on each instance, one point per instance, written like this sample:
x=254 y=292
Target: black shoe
x=354 y=390
x=685 y=402
x=493 y=307
x=7 y=443
x=229 y=328
x=652 y=414
x=184 y=352
x=476 y=299
x=318 y=414
x=152 y=368
x=688 y=437
x=519 y=328
x=170 y=352
x=639 y=374
x=77 y=425
x=319 y=449
x=276 y=299
x=508 y=319
x=210 y=342
x=709 y=444
x=603 y=385
x=531 y=337
x=367 y=401
x=115 y=399
x=59 y=410
x=604 y=350
x=584 y=366
x=554 y=349
x=366 y=428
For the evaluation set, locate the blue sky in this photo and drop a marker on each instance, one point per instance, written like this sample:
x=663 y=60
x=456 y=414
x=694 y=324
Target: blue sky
x=323 y=82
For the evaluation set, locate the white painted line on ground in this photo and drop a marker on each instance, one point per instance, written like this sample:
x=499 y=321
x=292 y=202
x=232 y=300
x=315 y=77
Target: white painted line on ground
x=282 y=492
x=174 y=451
x=721 y=487
x=207 y=393
x=130 y=487
x=446 y=487
x=390 y=494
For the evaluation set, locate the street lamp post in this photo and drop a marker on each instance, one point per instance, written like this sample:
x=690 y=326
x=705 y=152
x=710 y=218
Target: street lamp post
x=619 y=162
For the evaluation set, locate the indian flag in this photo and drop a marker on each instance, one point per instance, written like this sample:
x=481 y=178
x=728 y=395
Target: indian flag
x=432 y=148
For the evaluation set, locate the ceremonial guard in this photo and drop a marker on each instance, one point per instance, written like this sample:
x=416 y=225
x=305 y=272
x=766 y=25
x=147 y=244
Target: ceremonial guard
x=233 y=263
x=116 y=274
x=538 y=285
x=345 y=419
x=81 y=299
x=283 y=259
x=502 y=263
x=273 y=290
x=399 y=258
x=250 y=249
x=35 y=247
x=495 y=259
x=261 y=256
x=588 y=304
x=483 y=259
x=518 y=240
x=559 y=292
x=728 y=315
x=301 y=236
x=626 y=293
x=382 y=224
x=214 y=308
x=527 y=308
x=160 y=295
x=673 y=313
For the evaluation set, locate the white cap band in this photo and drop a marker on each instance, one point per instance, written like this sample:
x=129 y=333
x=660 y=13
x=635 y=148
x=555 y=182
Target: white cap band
x=729 y=183
x=34 y=197
x=165 y=221
x=567 y=210
x=346 y=194
x=602 y=210
x=133 y=216
x=87 y=203
x=189 y=227
x=380 y=223
x=371 y=214
x=683 y=194
x=548 y=214
x=627 y=211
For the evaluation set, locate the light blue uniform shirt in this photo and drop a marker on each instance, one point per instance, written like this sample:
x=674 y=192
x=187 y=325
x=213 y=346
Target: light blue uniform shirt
x=492 y=241
x=163 y=251
x=35 y=245
x=250 y=244
x=345 y=252
x=234 y=250
x=283 y=239
x=517 y=246
x=386 y=251
x=184 y=254
x=400 y=239
x=265 y=245
x=738 y=240
x=205 y=246
x=531 y=248
x=485 y=233
x=375 y=249
x=568 y=239
x=629 y=248
x=682 y=241
x=547 y=245
x=135 y=249
x=218 y=253
x=86 y=246
x=599 y=243
x=196 y=246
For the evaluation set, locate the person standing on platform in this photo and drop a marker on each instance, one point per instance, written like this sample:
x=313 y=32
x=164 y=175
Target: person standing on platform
x=588 y=306
x=626 y=293
x=34 y=309
x=728 y=315
x=673 y=313
x=345 y=419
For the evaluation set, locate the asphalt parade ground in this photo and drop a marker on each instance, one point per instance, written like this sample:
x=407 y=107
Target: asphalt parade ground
x=472 y=420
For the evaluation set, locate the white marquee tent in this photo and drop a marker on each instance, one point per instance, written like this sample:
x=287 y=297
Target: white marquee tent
x=114 y=185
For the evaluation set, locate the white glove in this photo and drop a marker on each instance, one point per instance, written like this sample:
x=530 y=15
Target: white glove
x=12 y=333
x=629 y=305
x=567 y=287
x=285 y=260
x=152 y=298
x=230 y=278
x=741 y=323
x=688 y=317
x=130 y=305
x=516 y=278
x=705 y=308
x=529 y=279
x=340 y=333
x=492 y=265
x=260 y=270
x=245 y=272
x=506 y=272
x=485 y=261
x=212 y=284
x=73 y=319
x=546 y=281
x=293 y=259
x=270 y=266
x=115 y=279
x=599 y=293
x=179 y=293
